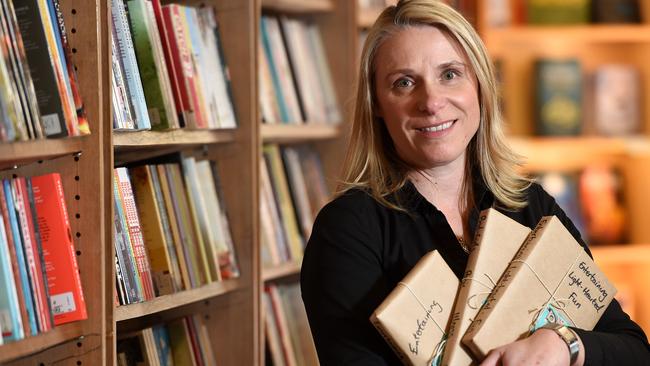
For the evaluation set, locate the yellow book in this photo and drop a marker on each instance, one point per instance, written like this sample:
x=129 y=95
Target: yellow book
x=152 y=230
x=281 y=188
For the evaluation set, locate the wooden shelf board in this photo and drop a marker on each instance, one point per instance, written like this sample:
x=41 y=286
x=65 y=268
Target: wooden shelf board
x=297 y=133
x=33 y=345
x=571 y=153
x=574 y=34
x=280 y=271
x=299 y=6
x=25 y=152
x=123 y=140
x=366 y=17
x=167 y=302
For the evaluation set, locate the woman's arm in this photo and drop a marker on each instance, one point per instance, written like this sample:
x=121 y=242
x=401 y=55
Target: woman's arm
x=342 y=283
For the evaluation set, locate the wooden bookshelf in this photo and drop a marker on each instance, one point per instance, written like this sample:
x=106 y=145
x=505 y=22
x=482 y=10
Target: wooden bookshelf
x=517 y=47
x=572 y=153
x=276 y=133
x=626 y=265
x=125 y=140
x=39 y=343
x=500 y=38
x=366 y=17
x=283 y=270
x=177 y=300
x=21 y=153
x=88 y=341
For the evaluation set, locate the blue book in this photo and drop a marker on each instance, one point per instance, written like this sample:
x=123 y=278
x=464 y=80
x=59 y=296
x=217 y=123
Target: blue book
x=284 y=114
x=11 y=324
x=163 y=348
x=20 y=257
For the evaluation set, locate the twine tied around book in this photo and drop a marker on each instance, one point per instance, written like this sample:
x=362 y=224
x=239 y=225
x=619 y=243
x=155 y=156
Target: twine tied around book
x=552 y=304
x=436 y=358
x=473 y=304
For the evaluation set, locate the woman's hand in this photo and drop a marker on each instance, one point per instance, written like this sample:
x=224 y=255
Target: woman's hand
x=543 y=347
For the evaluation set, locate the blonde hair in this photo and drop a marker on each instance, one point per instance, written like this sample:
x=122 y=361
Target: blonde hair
x=371 y=162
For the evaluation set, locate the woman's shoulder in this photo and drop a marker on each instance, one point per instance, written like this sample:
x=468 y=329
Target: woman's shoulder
x=352 y=201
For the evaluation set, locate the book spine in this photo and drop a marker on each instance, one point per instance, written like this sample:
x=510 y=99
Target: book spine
x=163 y=197
x=14 y=263
x=152 y=231
x=123 y=102
x=11 y=327
x=142 y=41
x=184 y=110
x=82 y=120
x=132 y=280
x=510 y=273
x=32 y=257
x=42 y=69
x=185 y=69
x=17 y=74
x=273 y=70
x=196 y=203
x=32 y=216
x=131 y=72
x=224 y=82
x=137 y=241
x=53 y=42
x=471 y=263
x=63 y=61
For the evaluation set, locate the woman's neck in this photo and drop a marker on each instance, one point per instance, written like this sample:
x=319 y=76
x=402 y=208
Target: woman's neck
x=443 y=187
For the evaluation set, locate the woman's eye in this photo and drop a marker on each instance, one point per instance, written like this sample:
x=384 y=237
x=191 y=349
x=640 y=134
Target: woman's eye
x=449 y=75
x=403 y=83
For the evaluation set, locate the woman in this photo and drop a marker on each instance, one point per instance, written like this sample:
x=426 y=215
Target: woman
x=427 y=153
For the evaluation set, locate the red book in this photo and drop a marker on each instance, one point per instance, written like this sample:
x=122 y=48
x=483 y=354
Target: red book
x=181 y=103
x=32 y=247
x=183 y=61
x=61 y=268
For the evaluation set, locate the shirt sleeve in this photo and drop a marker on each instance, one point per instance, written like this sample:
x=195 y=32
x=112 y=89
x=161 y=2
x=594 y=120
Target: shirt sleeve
x=616 y=339
x=342 y=280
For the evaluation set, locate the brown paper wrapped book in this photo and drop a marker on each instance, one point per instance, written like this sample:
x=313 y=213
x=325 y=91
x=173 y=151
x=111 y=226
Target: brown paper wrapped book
x=550 y=280
x=497 y=240
x=414 y=317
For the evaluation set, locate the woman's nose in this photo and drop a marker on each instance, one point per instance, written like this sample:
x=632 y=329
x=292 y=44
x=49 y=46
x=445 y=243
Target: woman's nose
x=431 y=100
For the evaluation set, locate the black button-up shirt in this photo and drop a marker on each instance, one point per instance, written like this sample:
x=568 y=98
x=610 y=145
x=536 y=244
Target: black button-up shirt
x=359 y=250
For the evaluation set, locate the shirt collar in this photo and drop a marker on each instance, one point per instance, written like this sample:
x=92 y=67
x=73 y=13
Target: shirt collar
x=410 y=199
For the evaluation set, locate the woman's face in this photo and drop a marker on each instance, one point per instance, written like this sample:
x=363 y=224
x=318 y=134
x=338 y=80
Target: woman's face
x=427 y=96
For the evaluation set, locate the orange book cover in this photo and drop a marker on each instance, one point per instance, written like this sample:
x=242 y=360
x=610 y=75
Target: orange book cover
x=66 y=294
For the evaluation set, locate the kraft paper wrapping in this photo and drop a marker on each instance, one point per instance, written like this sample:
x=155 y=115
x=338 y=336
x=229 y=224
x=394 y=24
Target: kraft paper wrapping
x=414 y=317
x=497 y=240
x=551 y=279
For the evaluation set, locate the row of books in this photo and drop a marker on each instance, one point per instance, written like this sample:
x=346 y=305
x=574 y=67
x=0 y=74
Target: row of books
x=169 y=69
x=544 y=12
x=296 y=84
x=293 y=189
x=571 y=102
x=40 y=285
x=39 y=91
x=288 y=337
x=184 y=341
x=593 y=199
x=171 y=228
